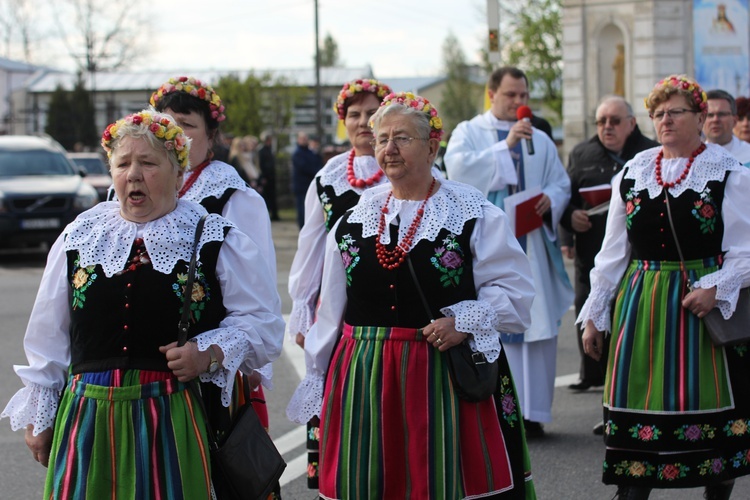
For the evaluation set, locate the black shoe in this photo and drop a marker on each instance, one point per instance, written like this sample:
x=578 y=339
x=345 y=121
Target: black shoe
x=533 y=429
x=599 y=429
x=632 y=493
x=584 y=385
x=720 y=491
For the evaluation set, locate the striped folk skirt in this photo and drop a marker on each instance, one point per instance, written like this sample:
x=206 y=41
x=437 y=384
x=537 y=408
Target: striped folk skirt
x=392 y=427
x=676 y=407
x=127 y=435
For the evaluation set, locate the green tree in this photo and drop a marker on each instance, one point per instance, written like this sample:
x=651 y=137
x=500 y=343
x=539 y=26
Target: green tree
x=244 y=103
x=329 y=52
x=258 y=103
x=531 y=37
x=58 y=119
x=70 y=119
x=460 y=95
x=82 y=115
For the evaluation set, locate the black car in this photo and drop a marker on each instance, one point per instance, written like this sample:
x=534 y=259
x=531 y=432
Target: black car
x=97 y=171
x=41 y=190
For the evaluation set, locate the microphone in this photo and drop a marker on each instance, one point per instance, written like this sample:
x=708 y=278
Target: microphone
x=524 y=113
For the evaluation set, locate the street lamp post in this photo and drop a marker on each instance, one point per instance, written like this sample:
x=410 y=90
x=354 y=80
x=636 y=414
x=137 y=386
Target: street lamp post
x=318 y=94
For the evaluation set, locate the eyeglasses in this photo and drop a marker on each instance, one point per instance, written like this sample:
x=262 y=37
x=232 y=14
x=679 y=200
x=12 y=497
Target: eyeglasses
x=401 y=141
x=672 y=113
x=718 y=114
x=613 y=120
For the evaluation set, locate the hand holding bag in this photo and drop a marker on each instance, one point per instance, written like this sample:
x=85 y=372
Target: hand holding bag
x=247 y=465
x=474 y=378
x=723 y=332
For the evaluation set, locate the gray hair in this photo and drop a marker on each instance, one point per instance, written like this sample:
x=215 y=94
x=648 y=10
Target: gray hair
x=138 y=131
x=421 y=121
x=616 y=98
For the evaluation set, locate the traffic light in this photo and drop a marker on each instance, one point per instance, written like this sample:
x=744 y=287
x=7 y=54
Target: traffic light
x=494 y=45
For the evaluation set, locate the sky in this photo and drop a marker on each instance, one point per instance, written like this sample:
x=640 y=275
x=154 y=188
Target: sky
x=397 y=38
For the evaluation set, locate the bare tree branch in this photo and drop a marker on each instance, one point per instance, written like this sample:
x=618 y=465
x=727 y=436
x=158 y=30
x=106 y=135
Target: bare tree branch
x=101 y=35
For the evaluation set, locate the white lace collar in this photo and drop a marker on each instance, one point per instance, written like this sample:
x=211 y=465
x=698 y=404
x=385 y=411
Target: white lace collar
x=334 y=172
x=708 y=166
x=102 y=236
x=213 y=181
x=449 y=208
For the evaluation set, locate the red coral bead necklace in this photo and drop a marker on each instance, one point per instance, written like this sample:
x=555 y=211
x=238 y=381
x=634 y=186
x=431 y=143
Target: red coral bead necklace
x=684 y=173
x=189 y=183
x=360 y=183
x=391 y=259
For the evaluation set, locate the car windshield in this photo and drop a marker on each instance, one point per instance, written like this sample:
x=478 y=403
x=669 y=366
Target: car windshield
x=33 y=162
x=92 y=165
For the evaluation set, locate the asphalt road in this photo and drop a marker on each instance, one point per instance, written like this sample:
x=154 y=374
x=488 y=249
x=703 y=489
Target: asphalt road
x=566 y=462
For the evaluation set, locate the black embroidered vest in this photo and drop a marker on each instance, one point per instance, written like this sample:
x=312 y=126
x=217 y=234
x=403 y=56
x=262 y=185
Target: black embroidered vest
x=380 y=297
x=214 y=205
x=120 y=322
x=334 y=206
x=696 y=216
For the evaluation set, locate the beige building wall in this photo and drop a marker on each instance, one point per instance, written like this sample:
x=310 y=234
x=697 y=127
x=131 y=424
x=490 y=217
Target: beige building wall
x=656 y=37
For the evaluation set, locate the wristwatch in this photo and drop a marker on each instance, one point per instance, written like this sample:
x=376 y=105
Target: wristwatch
x=214 y=364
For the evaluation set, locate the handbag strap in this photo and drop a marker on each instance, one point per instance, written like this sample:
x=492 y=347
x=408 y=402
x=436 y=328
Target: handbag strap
x=419 y=289
x=183 y=328
x=477 y=357
x=677 y=241
x=184 y=325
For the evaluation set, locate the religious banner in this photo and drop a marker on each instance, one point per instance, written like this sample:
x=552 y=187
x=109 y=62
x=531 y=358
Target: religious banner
x=722 y=45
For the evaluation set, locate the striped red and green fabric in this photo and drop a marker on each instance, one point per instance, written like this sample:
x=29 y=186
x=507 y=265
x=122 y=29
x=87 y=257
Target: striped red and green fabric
x=145 y=441
x=661 y=358
x=392 y=426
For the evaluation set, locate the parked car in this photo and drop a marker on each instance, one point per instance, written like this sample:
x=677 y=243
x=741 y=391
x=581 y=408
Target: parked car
x=41 y=190
x=97 y=171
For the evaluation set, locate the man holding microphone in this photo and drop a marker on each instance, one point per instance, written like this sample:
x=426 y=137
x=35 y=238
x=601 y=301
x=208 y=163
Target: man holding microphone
x=502 y=155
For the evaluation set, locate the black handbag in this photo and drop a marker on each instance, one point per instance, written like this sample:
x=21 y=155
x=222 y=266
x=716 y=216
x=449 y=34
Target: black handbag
x=474 y=378
x=246 y=465
x=732 y=331
x=723 y=332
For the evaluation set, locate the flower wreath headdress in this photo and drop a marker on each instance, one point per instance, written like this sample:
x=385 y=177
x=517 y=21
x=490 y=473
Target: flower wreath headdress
x=161 y=125
x=195 y=88
x=376 y=87
x=682 y=82
x=420 y=103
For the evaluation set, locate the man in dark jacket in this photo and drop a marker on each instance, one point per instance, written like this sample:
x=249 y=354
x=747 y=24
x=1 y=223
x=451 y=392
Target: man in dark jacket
x=305 y=164
x=592 y=163
x=267 y=180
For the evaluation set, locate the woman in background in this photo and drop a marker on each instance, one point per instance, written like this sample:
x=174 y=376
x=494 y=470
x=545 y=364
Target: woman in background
x=337 y=188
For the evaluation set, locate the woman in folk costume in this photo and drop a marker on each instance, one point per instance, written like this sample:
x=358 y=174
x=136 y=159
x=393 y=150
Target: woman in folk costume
x=337 y=188
x=218 y=187
x=102 y=333
x=676 y=406
x=392 y=425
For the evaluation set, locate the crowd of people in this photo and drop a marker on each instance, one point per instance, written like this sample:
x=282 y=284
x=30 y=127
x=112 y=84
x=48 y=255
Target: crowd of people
x=400 y=265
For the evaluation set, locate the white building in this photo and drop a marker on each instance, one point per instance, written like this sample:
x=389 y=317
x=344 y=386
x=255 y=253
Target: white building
x=657 y=40
x=119 y=93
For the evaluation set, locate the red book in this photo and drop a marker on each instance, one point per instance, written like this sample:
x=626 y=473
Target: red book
x=596 y=195
x=526 y=217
